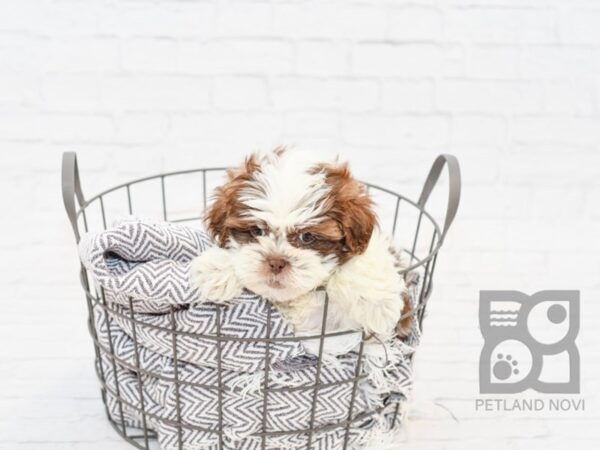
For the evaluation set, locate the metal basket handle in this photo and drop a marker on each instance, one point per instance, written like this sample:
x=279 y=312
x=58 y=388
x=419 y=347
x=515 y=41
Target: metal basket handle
x=71 y=188
x=453 y=191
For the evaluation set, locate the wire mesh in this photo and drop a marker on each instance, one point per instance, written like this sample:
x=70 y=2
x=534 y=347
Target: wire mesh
x=421 y=259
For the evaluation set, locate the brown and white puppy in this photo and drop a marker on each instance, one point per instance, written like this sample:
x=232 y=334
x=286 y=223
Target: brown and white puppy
x=285 y=225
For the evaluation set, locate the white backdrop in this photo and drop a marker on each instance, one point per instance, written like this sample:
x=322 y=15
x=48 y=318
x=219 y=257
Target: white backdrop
x=512 y=87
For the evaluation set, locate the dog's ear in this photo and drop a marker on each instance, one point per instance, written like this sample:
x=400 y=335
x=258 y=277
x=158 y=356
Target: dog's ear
x=351 y=207
x=224 y=213
x=358 y=223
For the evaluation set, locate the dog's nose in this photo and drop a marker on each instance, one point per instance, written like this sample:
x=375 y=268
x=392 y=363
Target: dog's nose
x=277 y=264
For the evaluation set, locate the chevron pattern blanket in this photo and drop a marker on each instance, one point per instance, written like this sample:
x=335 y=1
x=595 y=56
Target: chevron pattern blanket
x=139 y=272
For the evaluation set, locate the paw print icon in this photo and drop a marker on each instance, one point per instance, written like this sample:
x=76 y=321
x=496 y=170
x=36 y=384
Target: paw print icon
x=529 y=342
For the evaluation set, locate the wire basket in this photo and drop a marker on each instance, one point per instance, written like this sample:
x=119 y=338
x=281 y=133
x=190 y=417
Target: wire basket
x=413 y=228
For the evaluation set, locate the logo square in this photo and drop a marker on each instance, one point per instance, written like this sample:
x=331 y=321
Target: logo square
x=526 y=338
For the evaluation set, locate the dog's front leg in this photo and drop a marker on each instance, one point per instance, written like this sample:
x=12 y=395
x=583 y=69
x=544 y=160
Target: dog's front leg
x=213 y=274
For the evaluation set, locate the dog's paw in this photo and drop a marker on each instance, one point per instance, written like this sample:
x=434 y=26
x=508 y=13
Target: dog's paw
x=213 y=274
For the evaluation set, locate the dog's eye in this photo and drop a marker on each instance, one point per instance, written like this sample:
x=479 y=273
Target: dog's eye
x=257 y=232
x=306 y=238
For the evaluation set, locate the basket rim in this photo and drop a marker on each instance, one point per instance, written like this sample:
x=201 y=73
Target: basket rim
x=437 y=234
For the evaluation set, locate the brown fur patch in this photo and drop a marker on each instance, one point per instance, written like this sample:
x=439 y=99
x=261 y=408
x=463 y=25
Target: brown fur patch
x=244 y=234
x=279 y=150
x=350 y=208
x=404 y=325
x=224 y=216
x=329 y=238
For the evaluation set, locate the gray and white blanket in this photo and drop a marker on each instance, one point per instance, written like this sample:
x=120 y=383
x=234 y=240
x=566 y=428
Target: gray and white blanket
x=150 y=318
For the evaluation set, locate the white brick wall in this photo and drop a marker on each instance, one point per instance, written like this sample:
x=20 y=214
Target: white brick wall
x=512 y=87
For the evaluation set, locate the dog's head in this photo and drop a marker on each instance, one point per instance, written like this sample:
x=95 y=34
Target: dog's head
x=290 y=221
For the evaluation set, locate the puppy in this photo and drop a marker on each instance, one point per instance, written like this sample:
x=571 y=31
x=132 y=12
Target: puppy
x=285 y=225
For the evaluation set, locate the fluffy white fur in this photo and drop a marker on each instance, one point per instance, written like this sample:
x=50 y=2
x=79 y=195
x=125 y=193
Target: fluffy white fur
x=214 y=274
x=364 y=292
x=284 y=194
